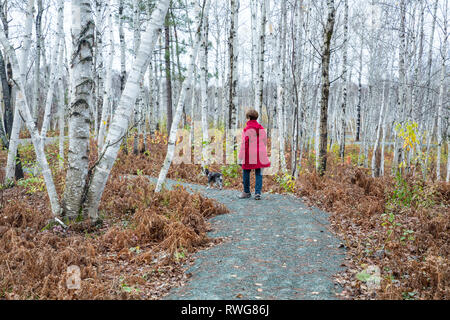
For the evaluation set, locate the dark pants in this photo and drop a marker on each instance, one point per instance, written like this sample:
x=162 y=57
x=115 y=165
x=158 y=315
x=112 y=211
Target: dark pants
x=258 y=180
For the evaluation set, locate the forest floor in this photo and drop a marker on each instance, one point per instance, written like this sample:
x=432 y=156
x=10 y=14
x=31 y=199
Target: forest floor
x=400 y=225
x=136 y=253
x=394 y=228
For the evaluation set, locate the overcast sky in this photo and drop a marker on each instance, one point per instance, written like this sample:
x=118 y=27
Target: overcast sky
x=244 y=32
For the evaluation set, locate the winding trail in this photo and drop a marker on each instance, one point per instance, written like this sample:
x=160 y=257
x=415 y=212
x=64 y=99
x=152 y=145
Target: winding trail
x=276 y=248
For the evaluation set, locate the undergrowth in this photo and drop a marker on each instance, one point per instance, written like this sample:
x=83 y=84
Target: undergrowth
x=136 y=254
x=400 y=224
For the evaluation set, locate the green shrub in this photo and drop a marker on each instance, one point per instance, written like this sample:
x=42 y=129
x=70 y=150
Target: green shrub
x=32 y=184
x=286 y=181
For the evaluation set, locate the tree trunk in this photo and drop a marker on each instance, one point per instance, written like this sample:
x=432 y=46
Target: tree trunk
x=23 y=108
x=261 y=55
x=254 y=55
x=168 y=72
x=55 y=69
x=233 y=60
x=138 y=104
x=444 y=55
x=8 y=114
x=217 y=110
x=204 y=88
x=375 y=155
x=37 y=62
x=326 y=54
x=120 y=121
x=402 y=85
x=358 y=107
x=17 y=120
x=345 y=84
x=79 y=116
x=282 y=83
x=181 y=100
x=123 y=47
x=107 y=94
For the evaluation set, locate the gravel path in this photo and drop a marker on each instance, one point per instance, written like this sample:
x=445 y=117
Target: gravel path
x=276 y=248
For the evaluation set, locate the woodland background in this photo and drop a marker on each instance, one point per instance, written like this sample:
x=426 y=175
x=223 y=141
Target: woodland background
x=95 y=90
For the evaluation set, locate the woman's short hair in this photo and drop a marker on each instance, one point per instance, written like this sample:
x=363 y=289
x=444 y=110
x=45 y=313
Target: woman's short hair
x=252 y=114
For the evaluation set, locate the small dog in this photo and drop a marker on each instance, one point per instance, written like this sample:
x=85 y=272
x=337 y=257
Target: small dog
x=214 y=177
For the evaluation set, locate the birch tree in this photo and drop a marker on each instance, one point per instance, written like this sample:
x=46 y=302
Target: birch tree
x=79 y=116
x=24 y=111
x=204 y=87
x=444 y=55
x=261 y=55
x=402 y=85
x=345 y=84
x=181 y=99
x=120 y=121
x=282 y=83
x=55 y=69
x=233 y=60
x=37 y=62
x=123 y=46
x=107 y=94
x=17 y=120
x=168 y=72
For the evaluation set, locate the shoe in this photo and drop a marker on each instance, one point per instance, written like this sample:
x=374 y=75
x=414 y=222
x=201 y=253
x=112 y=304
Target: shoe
x=257 y=197
x=245 y=195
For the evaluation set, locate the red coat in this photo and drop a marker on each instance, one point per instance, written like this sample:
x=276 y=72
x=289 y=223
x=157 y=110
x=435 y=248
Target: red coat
x=253 y=152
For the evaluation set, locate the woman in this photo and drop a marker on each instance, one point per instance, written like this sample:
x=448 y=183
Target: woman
x=253 y=154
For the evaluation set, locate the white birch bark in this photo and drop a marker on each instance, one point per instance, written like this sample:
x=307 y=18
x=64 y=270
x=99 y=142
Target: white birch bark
x=17 y=122
x=217 y=110
x=24 y=110
x=151 y=100
x=444 y=56
x=162 y=91
x=123 y=46
x=120 y=121
x=138 y=104
x=37 y=62
x=79 y=111
x=375 y=169
x=152 y=110
x=181 y=100
x=428 y=97
x=282 y=83
x=261 y=54
x=254 y=59
x=233 y=61
x=55 y=69
x=61 y=112
x=107 y=94
x=297 y=68
x=203 y=57
x=61 y=92
x=345 y=85
x=402 y=86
